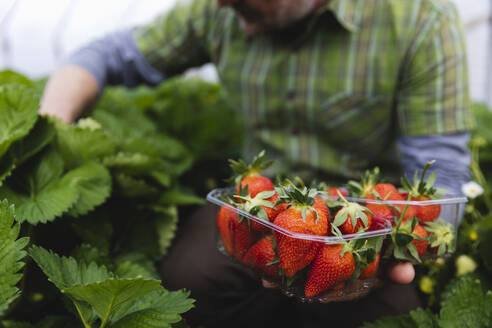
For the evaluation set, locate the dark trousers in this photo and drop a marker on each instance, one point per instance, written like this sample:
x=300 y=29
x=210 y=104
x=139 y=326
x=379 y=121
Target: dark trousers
x=227 y=295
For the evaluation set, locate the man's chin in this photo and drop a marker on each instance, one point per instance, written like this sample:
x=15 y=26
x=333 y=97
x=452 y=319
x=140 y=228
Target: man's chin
x=252 y=28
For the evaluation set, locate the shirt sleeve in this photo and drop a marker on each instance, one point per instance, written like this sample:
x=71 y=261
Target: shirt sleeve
x=450 y=152
x=115 y=59
x=433 y=95
x=177 y=40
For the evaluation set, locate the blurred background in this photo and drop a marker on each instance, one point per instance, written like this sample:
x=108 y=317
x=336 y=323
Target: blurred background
x=36 y=35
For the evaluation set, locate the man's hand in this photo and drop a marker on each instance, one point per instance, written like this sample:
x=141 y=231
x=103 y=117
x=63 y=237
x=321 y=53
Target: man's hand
x=68 y=92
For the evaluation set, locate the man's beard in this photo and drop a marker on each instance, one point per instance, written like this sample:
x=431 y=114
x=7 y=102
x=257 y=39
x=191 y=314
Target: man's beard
x=287 y=14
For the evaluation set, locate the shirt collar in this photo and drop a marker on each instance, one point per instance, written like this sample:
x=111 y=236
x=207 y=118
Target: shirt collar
x=344 y=11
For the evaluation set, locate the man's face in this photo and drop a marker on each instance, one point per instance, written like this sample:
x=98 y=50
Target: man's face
x=259 y=16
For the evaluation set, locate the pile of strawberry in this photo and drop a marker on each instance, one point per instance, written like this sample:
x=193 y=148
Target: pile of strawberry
x=294 y=208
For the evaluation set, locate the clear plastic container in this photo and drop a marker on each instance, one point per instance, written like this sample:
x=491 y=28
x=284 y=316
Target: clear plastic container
x=259 y=251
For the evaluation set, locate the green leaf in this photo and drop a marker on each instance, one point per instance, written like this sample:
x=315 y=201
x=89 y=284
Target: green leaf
x=11 y=77
x=424 y=319
x=135 y=265
x=166 y=225
x=38 y=138
x=131 y=187
x=107 y=297
x=465 y=304
x=11 y=254
x=19 y=112
x=178 y=197
x=340 y=218
x=157 y=310
x=39 y=194
x=87 y=253
x=93 y=185
x=485 y=245
x=403 y=321
x=82 y=142
x=66 y=272
x=95 y=230
x=403 y=239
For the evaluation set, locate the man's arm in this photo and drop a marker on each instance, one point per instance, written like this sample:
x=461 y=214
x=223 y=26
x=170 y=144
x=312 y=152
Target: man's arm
x=168 y=46
x=114 y=59
x=450 y=152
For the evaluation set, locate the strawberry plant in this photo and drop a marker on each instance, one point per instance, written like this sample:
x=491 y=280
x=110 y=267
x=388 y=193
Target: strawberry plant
x=96 y=205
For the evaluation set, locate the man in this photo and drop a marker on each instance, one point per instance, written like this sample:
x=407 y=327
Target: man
x=327 y=86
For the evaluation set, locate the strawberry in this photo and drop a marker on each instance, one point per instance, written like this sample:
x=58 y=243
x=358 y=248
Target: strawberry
x=352 y=217
x=423 y=191
x=370 y=269
x=236 y=235
x=261 y=257
x=388 y=192
x=380 y=211
x=420 y=244
x=299 y=217
x=248 y=176
x=333 y=191
x=320 y=206
x=329 y=269
x=262 y=206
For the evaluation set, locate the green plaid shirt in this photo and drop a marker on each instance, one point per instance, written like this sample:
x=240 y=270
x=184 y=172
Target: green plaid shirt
x=335 y=91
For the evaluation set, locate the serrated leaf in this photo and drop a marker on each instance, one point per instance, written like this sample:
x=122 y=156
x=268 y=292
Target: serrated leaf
x=135 y=265
x=403 y=239
x=39 y=137
x=157 y=310
x=107 y=297
x=413 y=251
x=11 y=77
x=465 y=304
x=66 y=271
x=95 y=230
x=402 y=321
x=179 y=197
x=19 y=112
x=93 y=184
x=39 y=192
x=81 y=143
x=424 y=319
x=87 y=253
x=11 y=254
x=132 y=187
x=166 y=225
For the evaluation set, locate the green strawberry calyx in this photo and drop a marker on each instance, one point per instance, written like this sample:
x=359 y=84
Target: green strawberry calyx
x=442 y=236
x=354 y=210
x=421 y=187
x=254 y=205
x=243 y=169
x=368 y=181
x=299 y=198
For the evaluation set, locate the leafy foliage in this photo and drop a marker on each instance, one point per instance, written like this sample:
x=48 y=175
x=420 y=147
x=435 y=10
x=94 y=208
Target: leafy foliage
x=464 y=305
x=11 y=254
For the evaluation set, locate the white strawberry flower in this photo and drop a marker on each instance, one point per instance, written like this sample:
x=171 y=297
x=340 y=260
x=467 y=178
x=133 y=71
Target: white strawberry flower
x=472 y=189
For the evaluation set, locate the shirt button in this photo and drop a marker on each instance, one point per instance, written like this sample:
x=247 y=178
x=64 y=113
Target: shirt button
x=291 y=94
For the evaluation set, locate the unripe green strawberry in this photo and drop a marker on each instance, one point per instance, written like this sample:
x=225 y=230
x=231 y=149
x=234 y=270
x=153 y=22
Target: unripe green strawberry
x=329 y=269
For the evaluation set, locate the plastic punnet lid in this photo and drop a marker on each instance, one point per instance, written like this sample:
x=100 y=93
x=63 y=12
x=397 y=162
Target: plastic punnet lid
x=215 y=196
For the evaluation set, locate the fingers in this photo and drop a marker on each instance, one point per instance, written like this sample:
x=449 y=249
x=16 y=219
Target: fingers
x=269 y=284
x=402 y=273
